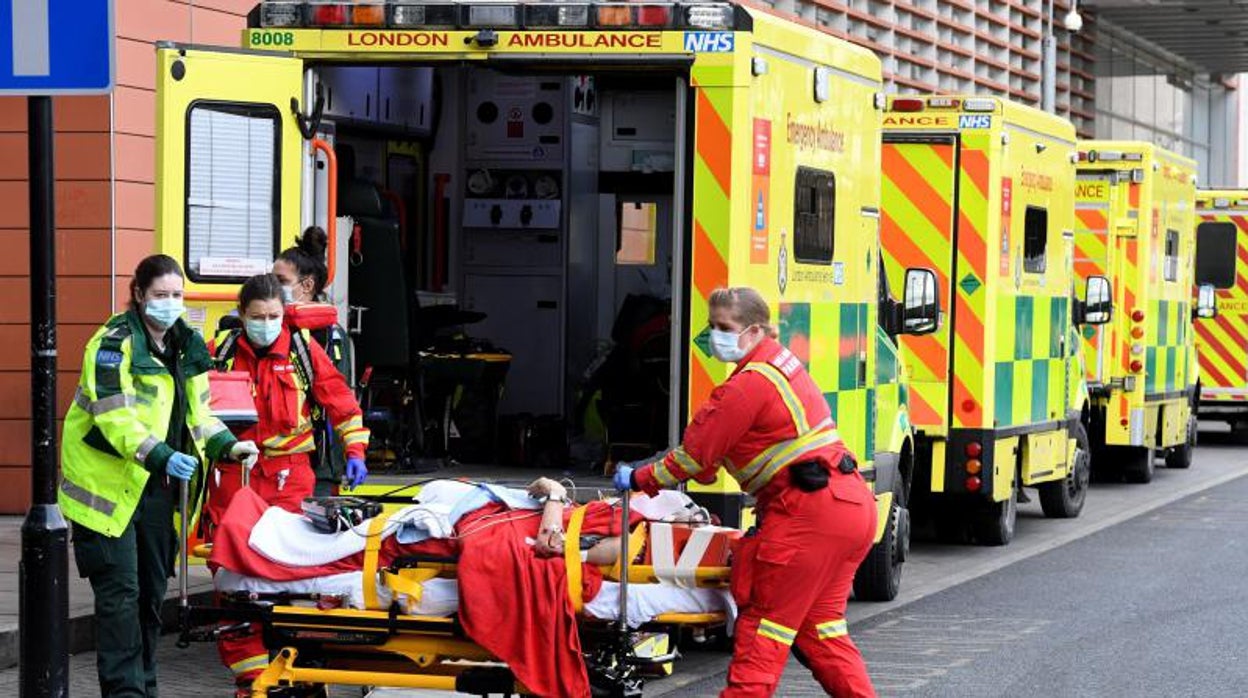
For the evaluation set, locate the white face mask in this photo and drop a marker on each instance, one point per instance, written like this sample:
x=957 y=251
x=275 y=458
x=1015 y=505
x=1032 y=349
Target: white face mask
x=164 y=311
x=263 y=332
x=288 y=295
x=724 y=346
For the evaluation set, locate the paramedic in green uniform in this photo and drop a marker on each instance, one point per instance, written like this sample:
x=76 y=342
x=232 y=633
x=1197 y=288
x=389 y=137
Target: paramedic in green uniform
x=138 y=426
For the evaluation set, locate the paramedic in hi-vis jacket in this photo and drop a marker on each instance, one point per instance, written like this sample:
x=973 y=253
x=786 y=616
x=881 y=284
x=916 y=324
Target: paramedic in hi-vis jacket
x=771 y=428
x=138 y=428
x=277 y=361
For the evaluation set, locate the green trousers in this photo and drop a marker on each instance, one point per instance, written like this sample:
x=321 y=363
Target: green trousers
x=129 y=575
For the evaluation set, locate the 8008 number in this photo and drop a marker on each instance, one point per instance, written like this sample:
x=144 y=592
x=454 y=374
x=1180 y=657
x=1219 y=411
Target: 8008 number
x=271 y=38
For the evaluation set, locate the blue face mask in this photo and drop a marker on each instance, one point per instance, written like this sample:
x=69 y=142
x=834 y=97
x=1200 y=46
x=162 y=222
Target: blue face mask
x=263 y=332
x=724 y=346
x=164 y=311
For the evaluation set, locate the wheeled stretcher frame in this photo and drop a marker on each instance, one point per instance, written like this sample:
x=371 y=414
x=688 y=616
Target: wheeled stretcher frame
x=317 y=645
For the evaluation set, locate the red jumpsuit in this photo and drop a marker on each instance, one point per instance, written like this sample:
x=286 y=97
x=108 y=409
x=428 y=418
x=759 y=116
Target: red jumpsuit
x=792 y=580
x=283 y=475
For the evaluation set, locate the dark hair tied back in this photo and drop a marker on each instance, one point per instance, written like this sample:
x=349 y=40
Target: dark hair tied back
x=308 y=257
x=261 y=287
x=150 y=269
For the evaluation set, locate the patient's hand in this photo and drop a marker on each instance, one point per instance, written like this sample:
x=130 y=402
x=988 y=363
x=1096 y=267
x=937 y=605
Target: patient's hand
x=545 y=487
x=549 y=543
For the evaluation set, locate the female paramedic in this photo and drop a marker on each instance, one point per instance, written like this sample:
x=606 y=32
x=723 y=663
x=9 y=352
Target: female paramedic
x=771 y=428
x=139 y=426
x=304 y=275
x=288 y=371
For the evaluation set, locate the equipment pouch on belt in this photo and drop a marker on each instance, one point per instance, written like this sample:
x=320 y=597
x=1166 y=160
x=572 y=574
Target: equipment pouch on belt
x=808 y=477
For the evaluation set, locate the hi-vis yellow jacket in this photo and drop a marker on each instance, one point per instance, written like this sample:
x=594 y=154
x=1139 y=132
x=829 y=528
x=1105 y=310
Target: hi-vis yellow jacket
x=114 y=435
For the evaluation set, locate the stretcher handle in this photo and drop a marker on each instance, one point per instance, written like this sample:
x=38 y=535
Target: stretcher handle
x=624 y=514
x=331 y=204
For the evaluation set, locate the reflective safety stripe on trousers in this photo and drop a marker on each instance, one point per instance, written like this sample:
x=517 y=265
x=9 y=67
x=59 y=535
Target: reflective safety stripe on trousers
x=832 y=629
x=774 y=631
x=766 y=465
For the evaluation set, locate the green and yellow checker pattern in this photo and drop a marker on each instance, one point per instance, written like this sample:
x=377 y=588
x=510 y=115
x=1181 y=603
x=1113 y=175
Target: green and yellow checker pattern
x=1030 y=364
x=1166 y=356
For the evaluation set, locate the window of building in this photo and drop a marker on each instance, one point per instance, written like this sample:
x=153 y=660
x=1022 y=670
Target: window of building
x=814 y=214
x=1170 y=263
x=638 y=232
x=232 y=189
x=1035 y=240
x=1216 y=252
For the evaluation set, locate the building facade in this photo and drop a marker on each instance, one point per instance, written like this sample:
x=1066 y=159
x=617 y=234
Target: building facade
x=1109 y=83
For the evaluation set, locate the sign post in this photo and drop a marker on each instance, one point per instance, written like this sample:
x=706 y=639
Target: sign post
x=49 y=47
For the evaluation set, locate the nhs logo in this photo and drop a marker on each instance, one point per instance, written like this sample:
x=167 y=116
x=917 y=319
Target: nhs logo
x=975 y=121
x=709 y=42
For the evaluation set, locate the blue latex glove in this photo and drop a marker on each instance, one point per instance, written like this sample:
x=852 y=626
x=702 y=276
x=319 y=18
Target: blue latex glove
x=623 y=477
x=356 y=472
x=181 y=466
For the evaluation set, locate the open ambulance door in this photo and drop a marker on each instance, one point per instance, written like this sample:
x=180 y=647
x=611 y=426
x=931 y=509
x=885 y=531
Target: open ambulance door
x=230 y=140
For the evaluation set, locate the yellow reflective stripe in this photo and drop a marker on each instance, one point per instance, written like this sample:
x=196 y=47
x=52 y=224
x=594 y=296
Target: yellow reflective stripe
x=686 y=461
x=664 y=476
x=87 y=498
x=207 y=430
x=355 y=438
x=255 y=663
x=832 y=628
x=757 y=463
x=353 y=423
x=775 y=631
x=793 y=454
x=791 y=401
x=96 y=408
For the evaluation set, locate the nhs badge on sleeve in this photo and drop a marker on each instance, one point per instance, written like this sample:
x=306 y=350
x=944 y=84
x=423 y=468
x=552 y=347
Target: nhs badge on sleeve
x=105 y=357
x=975 y=121
x=709 y=42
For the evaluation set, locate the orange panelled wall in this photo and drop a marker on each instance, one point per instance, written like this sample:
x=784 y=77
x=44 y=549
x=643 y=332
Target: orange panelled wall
x=94 y=167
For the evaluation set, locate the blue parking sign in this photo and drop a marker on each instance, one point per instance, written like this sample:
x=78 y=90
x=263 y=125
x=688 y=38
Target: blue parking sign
x=55 y=47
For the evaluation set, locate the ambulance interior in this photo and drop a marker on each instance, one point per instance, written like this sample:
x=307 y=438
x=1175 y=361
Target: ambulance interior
x=509 y=246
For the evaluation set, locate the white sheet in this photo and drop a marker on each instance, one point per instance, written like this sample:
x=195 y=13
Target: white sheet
x=441 y=596
x=290 y=539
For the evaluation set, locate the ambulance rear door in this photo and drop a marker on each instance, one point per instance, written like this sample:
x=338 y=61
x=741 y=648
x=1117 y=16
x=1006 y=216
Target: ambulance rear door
x=230 y=141
x=1093 y=215
x=919 y=203
x=1222 y=341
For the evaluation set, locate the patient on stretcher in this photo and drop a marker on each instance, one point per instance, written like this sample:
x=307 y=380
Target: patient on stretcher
x=267 y=550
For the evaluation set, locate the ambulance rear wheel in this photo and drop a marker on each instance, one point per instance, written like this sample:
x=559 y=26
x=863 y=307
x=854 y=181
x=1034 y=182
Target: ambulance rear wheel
x=879 y=575
x=1180 y=457
x=994 y=524
x=1064 y=498
x=1137 y=465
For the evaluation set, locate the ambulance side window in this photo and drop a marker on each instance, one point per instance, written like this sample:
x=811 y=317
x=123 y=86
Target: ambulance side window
x=232 y=190
x=1035 y=240
x=814 y=215
x=1171 y=262
x=1216 y=252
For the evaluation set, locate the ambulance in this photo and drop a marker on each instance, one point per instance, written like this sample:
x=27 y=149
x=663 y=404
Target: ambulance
x=1136 y=205
x=1222 y=341
x=982 y=191
x=533 y=167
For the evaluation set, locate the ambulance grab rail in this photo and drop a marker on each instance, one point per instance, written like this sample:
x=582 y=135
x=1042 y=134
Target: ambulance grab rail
x=331 y=226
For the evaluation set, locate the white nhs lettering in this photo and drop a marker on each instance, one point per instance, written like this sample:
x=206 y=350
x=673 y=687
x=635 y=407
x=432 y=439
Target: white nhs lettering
x=709 y=42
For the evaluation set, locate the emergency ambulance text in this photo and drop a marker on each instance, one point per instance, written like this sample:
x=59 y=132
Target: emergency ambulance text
x=818 y=137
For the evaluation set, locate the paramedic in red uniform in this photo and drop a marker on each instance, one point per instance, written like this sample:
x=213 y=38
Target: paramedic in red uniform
x=771 y=428
x=277 y=361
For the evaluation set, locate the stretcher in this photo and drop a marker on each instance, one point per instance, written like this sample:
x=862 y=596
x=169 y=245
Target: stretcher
x=393 y=642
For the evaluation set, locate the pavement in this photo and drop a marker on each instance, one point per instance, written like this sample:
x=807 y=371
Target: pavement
x=925 y=614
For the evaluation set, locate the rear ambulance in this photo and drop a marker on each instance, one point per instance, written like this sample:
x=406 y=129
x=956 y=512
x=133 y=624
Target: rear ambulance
x=981 y=190
x=1135 y=206
x=1222 y=341
x=540 y=165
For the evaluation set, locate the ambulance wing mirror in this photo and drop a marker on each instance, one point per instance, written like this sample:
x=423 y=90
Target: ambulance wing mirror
x=1206 y=302
x=920 y=310
x=1098 y=304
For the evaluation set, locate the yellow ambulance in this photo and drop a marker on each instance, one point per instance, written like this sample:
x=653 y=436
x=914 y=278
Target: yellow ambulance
x=1136 y=205
x=1222 y=341
x=982 y=191
x=537 y=166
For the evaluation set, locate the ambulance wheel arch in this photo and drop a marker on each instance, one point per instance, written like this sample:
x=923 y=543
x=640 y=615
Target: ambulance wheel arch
x=229 y=150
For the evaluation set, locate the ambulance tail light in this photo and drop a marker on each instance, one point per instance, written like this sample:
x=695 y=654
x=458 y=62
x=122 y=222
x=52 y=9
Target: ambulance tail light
x=1137 y=316
x=974 y=466
x=974 y=449
x=615 y=15
x=1137 y=349
x=654 y=15
x=1221 y=203
x=371 y=14
x=709 y=16
x=329 y=14
x=973 y=483
x=556 y=15
x=1137 y=366
x=479 y=16
x=1137 y=333
x=281 y=13
x=943 y=103
x=979 y=105
x=908 y=104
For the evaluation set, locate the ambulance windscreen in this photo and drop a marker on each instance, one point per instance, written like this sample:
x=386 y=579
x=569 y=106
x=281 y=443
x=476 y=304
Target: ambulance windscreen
x=1216 y=253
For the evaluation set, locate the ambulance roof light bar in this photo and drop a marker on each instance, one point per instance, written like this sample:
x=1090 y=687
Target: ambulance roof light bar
x=450 y=14
x=917 y=104
x=1109 y=156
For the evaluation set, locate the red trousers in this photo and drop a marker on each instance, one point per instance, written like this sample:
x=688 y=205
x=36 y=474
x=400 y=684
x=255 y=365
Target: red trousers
x=792 y=581
x=246 y=655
